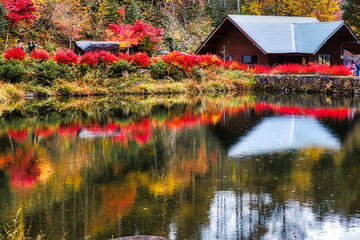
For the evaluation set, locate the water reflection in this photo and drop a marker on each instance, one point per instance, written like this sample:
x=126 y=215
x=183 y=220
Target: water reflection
x=284 y=133
x=170 y=167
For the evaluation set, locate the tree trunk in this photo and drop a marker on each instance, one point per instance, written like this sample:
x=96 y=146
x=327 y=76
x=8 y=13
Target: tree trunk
x=7 y=38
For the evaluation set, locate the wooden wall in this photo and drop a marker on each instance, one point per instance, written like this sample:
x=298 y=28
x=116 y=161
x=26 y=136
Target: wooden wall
x=237 y=44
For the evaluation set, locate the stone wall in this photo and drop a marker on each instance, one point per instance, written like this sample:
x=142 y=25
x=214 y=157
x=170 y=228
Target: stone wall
x=308 y=83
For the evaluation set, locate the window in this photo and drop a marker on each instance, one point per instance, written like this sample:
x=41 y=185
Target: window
x=325 y=59
x=249 y=59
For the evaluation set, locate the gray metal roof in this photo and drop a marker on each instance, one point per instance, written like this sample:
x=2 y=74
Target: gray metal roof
x=280 y=34
x=309 y=37
x=270 y=19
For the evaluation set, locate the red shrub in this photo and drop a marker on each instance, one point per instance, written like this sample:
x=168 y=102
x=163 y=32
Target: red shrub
x=66 y=56
x=140 y=58
x=288 y=69
x=234 y=65
x=93 y=58
x=311 y=69
x=40 y=54
x=208 y=60
x=124 y=56
x=15 y=53
x=260 y=69
x=107 y=57
x=334 y=70
x=90 y=58
x=184 y=60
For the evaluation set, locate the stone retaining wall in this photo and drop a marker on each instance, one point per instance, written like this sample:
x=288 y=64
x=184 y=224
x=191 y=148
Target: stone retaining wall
x=308 y=83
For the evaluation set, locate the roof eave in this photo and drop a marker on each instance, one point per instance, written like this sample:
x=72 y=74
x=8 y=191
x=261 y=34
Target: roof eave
x=332 y=34
x=243 y=32
x=211 y=34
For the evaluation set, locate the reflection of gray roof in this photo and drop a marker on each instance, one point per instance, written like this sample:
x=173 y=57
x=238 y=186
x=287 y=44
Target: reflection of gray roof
x=277 y=134
x=96 y=45
x=274 y=34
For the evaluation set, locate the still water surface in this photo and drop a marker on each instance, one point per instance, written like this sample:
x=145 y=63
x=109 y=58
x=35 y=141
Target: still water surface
x=246 y=167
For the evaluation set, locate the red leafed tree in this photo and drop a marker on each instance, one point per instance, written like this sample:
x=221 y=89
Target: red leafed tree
x=141 y=35
x=18 y=10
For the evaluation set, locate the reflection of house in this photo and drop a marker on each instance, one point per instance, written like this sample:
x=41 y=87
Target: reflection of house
x=276 y=134
x=269 y=40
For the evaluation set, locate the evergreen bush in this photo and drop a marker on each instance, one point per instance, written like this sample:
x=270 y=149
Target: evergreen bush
x=11 y=71
x=46 y=72
x=118 y=68
x=159 y=69
x=197 y=73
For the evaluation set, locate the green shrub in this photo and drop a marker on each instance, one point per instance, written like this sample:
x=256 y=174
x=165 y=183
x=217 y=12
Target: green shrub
x=197 y=73
x=45 y=73
x=177 y=73
x=50 y=47
x=117 y=68
x=159 y=69
x=11 y=71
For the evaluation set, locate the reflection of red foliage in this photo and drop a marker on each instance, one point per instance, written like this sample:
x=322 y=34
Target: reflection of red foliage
x=339 y=113
x=122 y=137
x=43 y=132
x=23 y=170
x=117 y=200
x=19 y=135
x=70 y=130
x=142 y=137
x=96 y=128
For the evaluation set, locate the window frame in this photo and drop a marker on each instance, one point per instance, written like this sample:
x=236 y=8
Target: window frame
x=253 y=59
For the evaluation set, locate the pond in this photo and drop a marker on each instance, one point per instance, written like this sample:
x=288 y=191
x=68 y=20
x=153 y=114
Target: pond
x=227 y=167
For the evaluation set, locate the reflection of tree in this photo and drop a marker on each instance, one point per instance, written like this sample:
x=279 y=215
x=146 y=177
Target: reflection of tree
x=163 y=171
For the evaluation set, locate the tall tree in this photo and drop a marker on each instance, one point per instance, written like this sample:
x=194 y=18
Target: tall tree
x=132 y=13
x=351 y=14
x=18 y=11
x=3 y=22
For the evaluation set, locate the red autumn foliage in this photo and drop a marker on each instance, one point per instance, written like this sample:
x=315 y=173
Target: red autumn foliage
x=234 y=65
x=187 y=61
x=40 y=54
x=107 y=57
x=89 y=58
x=303 y=69
x=141 y=58
x=19 y=10
x=339 y=70
x=208 y=60
x=98 y=57
x=15 y=53
x=260 y=69
x=136 y=34
x=66 y=56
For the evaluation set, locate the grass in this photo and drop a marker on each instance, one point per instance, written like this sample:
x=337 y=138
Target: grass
x=215 y=80
x=18 y=231
x=10 y=91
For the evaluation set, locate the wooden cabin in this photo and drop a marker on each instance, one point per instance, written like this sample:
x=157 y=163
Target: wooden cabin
x=272 y=40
